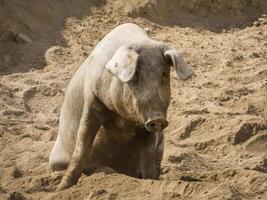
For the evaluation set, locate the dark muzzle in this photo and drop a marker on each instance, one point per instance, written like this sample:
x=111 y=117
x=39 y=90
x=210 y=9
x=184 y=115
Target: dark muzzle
x=156 y=125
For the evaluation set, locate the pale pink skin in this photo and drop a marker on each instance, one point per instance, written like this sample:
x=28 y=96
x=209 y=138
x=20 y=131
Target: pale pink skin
x=97 y=96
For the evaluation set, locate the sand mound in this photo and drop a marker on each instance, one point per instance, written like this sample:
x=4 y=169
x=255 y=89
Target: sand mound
x=216 y=142
x=210 y=14
x=38 y=21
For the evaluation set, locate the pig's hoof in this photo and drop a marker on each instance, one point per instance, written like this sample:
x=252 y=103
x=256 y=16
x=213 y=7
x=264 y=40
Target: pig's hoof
x=66 y=183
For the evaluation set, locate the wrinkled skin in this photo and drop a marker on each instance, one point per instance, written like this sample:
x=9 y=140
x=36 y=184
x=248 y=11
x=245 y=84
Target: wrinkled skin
x=123 y=86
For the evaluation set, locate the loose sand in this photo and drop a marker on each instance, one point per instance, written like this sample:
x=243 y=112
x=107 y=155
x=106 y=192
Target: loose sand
x=216 y=143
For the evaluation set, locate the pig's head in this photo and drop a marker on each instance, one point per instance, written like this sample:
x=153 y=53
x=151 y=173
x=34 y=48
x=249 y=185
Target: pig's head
x=143 y=72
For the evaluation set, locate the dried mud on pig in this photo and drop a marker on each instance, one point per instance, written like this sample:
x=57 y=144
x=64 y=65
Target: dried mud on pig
x=216 y=141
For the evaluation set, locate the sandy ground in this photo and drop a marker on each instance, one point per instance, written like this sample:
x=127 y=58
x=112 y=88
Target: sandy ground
x=216 y=143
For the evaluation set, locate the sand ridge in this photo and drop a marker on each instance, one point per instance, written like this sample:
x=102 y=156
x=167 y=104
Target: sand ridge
x=216 y=142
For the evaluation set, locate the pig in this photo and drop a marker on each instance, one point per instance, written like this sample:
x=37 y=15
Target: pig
x=123 y=87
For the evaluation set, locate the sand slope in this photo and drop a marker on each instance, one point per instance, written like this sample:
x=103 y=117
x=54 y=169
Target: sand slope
x=216 y=143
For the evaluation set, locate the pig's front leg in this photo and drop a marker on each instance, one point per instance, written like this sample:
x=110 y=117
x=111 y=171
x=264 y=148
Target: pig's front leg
x=151 y=155
x=86 y=133
x=159 y=150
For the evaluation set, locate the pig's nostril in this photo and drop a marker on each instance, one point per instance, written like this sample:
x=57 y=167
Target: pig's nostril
x=165 y=124
x=157 y=124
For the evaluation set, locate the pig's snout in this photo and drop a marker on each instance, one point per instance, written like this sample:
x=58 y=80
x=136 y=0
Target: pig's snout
x=156 y=125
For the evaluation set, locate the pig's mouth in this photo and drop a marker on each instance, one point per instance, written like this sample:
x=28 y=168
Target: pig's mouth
x=156 y=125
x=152 y=122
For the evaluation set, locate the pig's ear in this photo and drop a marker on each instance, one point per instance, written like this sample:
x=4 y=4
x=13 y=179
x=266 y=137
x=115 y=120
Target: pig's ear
x=123 y=63
x=178 y=62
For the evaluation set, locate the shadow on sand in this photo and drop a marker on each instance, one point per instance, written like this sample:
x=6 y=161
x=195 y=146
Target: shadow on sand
x=43 y=22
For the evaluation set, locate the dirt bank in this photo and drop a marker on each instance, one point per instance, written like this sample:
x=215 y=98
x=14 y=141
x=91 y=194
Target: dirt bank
x=216 y=142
